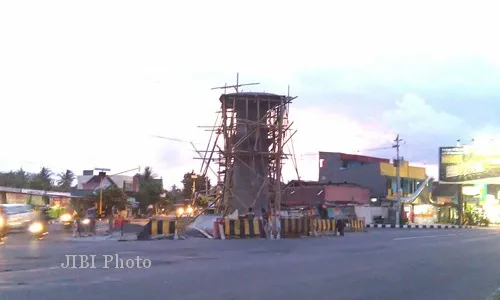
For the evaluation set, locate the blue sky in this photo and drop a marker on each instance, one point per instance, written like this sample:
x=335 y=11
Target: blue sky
x=86 y=84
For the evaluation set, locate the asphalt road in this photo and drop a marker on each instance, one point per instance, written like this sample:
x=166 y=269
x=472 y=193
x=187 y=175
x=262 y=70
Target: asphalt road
x=387 y=264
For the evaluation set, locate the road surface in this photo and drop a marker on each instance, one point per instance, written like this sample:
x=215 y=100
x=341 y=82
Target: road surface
x=387 y=264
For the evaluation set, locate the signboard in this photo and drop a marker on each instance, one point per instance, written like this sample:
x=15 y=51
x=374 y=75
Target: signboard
x=465 y=163
x=13 y=198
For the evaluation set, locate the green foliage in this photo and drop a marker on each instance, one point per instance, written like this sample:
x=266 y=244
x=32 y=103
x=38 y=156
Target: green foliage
x=175 y=194
x=474 y=218
x=203 y=201
x=150 y=188
x=111 y=196
x=16 y=179
x=202 y=184
x=42 y=180
x=65 y=180
x=22 y=179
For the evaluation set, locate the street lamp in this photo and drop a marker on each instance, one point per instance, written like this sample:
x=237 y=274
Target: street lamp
x=102 y=175
x=193 y=193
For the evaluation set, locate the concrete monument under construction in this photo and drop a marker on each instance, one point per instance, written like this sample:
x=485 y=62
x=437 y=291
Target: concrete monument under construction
x=254 y=130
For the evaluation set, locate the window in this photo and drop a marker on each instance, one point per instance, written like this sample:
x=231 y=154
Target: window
x=127 y=186
x=18 y=209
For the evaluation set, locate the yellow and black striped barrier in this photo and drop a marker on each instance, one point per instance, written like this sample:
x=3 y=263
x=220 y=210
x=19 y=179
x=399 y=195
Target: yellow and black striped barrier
x=357 y=225
x=290 y=227
x=322 y=226
x=295 y=227
x=244 y=228
x=156 y=228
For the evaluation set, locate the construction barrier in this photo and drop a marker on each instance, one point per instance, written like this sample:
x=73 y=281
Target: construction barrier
x=323 y=226
x=295 y=227
x=156 y=228
x=243 y=228
x=289 y=228
x=357 y=225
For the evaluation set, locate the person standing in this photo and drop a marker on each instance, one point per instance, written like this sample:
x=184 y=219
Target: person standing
x=339 y=224
x=92 y=215
x=265 y=221
x=250 y=214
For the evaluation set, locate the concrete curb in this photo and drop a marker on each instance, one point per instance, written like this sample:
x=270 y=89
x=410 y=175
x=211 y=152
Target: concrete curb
x=418 y=226
x=104 y=238
x=158 y=237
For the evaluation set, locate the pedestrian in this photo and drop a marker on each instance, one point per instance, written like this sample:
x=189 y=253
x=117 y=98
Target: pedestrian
x=339 y=224
x=250 y=214
x=265 y=221
x=150 y=210
x=92 y=214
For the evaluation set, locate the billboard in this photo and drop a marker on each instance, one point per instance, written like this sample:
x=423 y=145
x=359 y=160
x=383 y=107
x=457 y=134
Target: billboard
x=466 y=163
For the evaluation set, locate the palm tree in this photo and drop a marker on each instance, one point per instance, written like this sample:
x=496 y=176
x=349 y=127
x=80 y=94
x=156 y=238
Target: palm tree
x=65 y=180
x=42 y=180
x=22 y=178
x=148 y=174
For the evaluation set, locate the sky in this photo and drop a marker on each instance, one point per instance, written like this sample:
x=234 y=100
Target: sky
x=88 y=84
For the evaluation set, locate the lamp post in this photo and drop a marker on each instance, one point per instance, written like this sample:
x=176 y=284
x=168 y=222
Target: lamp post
x=102 y=175
x=193 y=192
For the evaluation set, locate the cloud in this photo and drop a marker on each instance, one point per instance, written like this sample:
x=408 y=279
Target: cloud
x=413 y=116
x=87 y=85
x=323 y=130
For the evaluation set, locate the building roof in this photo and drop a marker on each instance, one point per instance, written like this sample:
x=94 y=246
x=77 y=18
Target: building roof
x=305 y=195
x=81 y=193
x=97 y=179
x=357 y=157
x=33 y=192
x=298 y=183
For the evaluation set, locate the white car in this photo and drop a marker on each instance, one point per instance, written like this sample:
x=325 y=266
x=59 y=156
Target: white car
x=18 y=215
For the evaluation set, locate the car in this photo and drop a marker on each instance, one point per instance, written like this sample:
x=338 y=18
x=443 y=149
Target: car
x=19 y=216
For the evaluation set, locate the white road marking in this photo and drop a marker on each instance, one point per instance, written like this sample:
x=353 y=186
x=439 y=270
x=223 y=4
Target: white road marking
x=34 y=270
x=490 y=233
x=423 y=237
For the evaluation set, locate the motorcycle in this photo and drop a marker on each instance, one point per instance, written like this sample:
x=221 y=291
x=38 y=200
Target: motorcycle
x=67 y=221
x=38 y=230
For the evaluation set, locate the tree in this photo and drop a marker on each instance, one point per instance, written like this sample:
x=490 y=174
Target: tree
x=65 y=180
x=203 y=201
x=202 y=184
x=18 y=179
x=112 y=196
x=174 y=194
x=42 y=180
x=148 y=174
x=150 y=188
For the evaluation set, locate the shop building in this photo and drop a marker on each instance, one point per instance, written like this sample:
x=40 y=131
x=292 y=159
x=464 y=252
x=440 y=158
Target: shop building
x=377 y=174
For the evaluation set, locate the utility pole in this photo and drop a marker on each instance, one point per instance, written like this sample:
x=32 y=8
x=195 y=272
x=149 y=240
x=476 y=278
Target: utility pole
x=194 y=177
x=397 y=144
